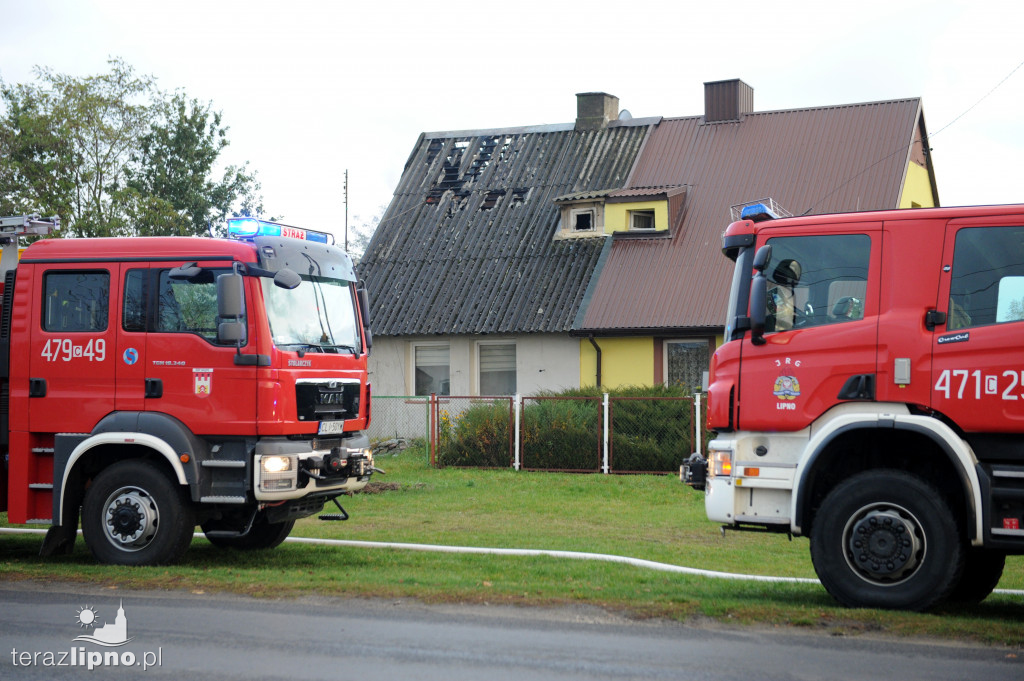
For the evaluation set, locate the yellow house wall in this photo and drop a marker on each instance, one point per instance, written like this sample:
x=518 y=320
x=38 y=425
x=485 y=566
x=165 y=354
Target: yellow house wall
x=624 y=362
x=917 y=189
x=616 y=217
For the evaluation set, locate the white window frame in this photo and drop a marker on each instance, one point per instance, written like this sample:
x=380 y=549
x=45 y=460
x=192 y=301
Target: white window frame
x=411 y=373
x=479 y=365
x=573 y=212
x=664 y=353
x=645 y=212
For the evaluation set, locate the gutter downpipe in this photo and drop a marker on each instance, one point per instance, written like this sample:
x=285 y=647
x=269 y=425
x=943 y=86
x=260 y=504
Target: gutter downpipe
x=597 y=349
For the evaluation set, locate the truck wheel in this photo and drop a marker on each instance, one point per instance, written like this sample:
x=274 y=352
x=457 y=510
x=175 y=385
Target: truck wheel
x=133 y=514
x=262 y=535
x=886 y=539
x=982 y=572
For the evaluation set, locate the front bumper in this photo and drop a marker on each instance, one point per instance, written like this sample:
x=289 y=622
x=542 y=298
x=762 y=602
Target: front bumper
x=292 y=469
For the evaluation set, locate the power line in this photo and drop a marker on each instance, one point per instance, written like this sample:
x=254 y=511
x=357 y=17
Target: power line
x=901 y=148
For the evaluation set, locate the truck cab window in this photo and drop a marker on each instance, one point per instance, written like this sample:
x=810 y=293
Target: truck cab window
x=816 y=280
x=987 y=285
x=76 y=301
x=188 y=306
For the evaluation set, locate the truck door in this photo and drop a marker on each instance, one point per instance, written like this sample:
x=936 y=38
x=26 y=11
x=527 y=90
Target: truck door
x=190 y=375
x=977 y=368
x=73 y=349
x=821 y=329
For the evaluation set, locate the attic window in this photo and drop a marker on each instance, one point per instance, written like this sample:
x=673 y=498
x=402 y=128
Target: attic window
x=641 y=220
x=583 y=219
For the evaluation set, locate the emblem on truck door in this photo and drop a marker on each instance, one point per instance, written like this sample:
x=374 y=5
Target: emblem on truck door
x=202 y=380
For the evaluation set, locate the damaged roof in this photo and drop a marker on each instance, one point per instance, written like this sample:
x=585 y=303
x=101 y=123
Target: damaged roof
x=466 y=245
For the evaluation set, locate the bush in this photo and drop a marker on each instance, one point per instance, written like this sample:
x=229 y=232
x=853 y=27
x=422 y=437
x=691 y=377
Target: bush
x=562 y=431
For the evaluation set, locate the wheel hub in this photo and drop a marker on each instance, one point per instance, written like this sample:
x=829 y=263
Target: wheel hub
x=130 y=519
x=883 y=544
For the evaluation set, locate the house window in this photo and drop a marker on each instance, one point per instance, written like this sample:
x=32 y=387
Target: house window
x=497 y=368
x=432 y=369
x=641 y=220
x=685 y=362
x=583 y=220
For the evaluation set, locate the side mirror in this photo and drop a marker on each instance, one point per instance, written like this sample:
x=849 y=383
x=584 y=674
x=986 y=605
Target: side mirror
x=364 y=311
x=287 y=279
x=231 y=308
x=231 y=332
x=230 y=295
x=759 y=295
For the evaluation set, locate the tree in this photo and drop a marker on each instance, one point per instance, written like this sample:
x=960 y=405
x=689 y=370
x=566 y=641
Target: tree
x=175 y=162
x=361 y=232
x=112 y=155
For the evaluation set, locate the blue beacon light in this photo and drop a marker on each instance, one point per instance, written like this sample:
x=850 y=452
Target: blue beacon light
x=247 y=228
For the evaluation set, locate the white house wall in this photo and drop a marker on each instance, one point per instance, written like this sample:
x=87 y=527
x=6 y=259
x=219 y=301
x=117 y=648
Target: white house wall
x=543 y=362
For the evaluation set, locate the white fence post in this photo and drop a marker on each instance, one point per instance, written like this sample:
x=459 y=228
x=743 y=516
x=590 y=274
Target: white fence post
x=606 y=430
x=517 y=400
x=696 y=423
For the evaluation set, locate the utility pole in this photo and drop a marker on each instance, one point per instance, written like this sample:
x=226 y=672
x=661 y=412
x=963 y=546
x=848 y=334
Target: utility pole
x=346 y=210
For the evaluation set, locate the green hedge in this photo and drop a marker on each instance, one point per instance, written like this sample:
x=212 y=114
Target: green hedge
x=564 y=434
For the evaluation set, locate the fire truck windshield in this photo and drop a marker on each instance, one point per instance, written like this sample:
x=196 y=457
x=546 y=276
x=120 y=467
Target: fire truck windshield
x=318 y=315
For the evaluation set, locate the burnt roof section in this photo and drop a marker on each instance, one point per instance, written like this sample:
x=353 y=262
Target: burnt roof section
x=466 y=245
x=819 y=160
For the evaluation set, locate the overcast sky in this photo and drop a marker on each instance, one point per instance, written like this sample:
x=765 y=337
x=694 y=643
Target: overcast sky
x=310 y=89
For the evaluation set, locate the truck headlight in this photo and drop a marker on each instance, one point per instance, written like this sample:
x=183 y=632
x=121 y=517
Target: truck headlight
x=278 y=473
x=276 y=464
x=719 y=463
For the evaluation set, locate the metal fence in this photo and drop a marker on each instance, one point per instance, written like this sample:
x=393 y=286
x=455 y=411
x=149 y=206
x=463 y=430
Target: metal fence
x=472 y=431
x=608 y=434
x=399 y=418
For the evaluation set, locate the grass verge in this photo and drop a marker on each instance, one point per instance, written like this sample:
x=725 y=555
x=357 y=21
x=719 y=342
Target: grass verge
x=649 y=517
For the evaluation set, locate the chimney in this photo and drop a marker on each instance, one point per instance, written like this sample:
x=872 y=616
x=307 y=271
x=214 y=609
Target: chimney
x=595 y=109
x=727 y=100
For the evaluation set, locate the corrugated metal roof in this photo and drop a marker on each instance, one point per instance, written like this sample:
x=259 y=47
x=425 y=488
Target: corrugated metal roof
x=822 y=160
x=466 y=246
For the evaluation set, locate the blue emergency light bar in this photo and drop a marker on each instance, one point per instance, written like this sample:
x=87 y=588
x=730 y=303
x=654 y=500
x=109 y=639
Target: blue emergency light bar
x=758 y=212
x=247 y=228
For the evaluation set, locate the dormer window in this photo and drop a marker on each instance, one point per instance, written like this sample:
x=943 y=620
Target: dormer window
x=641 y=220
x=583 y=219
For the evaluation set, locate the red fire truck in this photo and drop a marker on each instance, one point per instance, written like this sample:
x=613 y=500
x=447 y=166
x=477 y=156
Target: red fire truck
x=870 y=395
x=154 y=384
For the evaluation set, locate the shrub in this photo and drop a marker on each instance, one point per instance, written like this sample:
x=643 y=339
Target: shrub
x=562 y=431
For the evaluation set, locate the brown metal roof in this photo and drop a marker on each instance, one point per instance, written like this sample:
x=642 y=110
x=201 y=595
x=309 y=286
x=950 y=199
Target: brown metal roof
x=822 y=160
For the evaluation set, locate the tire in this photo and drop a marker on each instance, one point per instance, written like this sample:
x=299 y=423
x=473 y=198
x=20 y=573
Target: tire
x=982 y=572
x=262 y=535
x=886 y=539
x=133 y=514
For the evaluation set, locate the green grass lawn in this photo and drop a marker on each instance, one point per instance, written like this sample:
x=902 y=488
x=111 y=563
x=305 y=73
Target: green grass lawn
x=650 y=517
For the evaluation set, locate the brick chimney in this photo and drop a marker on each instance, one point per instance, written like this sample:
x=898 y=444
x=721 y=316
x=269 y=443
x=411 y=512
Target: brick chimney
x=727 y=100
x=595 y=109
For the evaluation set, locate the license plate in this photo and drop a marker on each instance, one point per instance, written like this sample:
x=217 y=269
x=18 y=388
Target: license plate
x=331 y=427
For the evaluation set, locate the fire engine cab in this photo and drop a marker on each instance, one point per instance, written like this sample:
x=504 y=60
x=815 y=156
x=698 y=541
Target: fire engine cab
x=153 y=384
x=870 y=395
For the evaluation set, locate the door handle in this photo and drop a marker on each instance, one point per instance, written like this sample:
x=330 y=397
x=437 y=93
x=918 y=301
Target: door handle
x=154 y=388
x=37 y=387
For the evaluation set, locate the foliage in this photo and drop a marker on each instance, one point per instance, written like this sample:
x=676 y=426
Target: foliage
x=112 y=155
x=651 y=431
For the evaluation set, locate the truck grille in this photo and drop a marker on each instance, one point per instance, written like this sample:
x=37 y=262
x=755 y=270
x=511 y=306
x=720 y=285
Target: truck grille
x=327 y=400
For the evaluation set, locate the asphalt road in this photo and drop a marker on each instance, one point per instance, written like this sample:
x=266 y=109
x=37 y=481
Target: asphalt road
x=198 y=636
